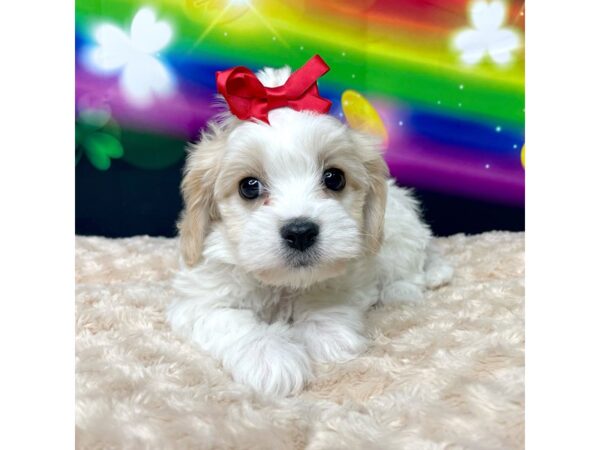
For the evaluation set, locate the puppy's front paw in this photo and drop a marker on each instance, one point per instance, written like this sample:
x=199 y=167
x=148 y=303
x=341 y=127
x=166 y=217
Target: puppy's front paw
x=272 y=365
x=331 y=342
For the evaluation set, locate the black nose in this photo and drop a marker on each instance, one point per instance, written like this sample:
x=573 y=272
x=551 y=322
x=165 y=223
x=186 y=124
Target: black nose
x=300 y=233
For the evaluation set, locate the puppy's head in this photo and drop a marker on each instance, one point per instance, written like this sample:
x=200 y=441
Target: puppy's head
x=296 y=199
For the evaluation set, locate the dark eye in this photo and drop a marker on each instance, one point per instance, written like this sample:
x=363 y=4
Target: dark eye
x=334 y=179
x=251 y=188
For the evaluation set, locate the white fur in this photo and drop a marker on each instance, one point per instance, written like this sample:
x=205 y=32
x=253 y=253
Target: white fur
x=265 y=320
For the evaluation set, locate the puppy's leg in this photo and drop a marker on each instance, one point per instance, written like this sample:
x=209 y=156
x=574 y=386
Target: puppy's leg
x=402 y=291
x=330 y=333
x=264 y=356
x=409 y=286
x=437 y=271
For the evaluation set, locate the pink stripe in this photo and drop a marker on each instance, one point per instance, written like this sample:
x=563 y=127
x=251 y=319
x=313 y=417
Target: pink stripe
x=181 y=114
x=434 y=167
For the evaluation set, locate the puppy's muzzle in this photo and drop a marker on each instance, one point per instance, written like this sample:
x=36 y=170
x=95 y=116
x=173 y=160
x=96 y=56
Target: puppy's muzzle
x=300 y=233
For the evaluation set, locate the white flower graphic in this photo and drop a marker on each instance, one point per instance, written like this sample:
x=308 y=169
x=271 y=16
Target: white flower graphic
x=487 y=37
x=142 y=74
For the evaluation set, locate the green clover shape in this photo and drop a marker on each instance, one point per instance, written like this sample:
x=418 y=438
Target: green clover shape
x=97 y=136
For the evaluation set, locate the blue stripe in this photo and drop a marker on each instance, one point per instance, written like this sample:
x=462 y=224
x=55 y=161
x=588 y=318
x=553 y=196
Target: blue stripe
x=466 y=133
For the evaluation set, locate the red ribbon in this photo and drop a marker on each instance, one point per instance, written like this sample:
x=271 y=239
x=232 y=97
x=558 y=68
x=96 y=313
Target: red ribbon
x=248 y=98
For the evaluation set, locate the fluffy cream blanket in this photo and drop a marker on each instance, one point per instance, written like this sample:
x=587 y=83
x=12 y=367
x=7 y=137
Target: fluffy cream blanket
x=444 y=374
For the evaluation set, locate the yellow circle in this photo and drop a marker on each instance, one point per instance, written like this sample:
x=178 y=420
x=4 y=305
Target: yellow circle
x=361 y=115
x=523 y=156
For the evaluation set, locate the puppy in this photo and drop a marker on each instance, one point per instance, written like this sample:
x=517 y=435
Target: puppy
x=291 y=231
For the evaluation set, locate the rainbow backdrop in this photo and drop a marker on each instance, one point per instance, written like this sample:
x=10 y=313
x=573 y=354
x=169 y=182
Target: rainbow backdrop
x=451 y=127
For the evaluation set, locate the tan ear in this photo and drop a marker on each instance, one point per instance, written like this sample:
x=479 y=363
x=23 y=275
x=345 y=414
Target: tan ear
x=197 y=188
x=370 y=149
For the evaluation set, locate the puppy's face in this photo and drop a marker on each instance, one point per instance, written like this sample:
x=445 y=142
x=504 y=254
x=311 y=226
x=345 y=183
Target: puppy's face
x=296 y=199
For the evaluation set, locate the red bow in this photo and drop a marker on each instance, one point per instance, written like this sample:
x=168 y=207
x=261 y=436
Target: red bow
x=247 y=97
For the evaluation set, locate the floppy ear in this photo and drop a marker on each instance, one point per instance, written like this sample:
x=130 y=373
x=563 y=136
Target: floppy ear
x=201 y=169
x=370 y=149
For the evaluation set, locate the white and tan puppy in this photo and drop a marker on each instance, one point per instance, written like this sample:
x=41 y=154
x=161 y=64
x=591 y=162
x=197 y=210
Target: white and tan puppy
x=291 y=231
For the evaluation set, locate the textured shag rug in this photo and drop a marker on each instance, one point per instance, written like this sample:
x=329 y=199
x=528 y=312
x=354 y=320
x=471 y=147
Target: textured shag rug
x=444 y=374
